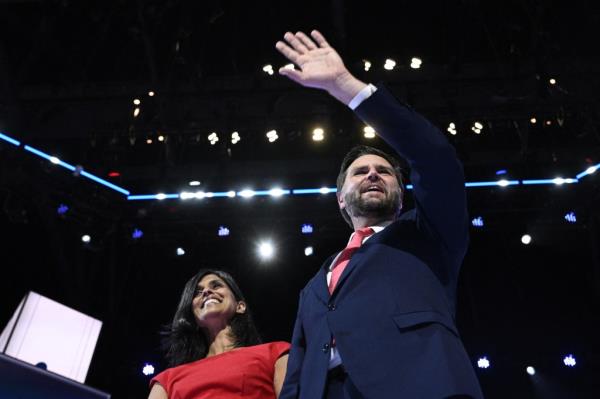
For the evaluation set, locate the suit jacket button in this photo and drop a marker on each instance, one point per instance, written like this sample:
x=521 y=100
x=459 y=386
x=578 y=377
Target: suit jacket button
x=326 y=348
x=331 y=307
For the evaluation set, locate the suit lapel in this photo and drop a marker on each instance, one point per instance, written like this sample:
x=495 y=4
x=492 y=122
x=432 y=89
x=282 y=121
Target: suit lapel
x=319 y=282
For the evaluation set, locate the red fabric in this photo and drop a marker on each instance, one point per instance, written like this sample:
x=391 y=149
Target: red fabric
x=344 y=257
x=241 y=373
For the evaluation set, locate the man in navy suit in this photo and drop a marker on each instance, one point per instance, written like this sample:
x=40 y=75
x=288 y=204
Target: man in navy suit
x=377 y=320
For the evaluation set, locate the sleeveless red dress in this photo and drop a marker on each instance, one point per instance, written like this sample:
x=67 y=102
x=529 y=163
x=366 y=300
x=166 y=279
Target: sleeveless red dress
x=241 y=373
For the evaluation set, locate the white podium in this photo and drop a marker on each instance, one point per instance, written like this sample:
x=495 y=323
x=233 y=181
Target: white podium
x=43 y=330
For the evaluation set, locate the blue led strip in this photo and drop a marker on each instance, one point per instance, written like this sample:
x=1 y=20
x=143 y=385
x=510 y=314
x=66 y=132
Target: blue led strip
x=588 y=171
x=324 y=190
x=556 y=182
x=72 y=168
x=9 y=139
x=501 y=183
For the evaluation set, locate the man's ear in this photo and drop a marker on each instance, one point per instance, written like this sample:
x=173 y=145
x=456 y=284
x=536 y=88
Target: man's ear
x=340 y=200
x=241 y=307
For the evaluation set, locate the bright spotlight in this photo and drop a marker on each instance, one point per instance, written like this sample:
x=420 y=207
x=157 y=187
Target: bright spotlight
x=161 y=196
x=136 y=112
x=591 y=170
x=266 y=250
x=148 y=369
x=161 y=138
x=569 y=361
x=54 y=160
x=324 y=190
x=451 y=128
x=272 y=136
x=552 y=81
x=570 y=217
x=318 y=134
x=86 y=238
x=223 y=231
x=276 y=192
x=246 y=193
x=415 y=63
x=503 y=183
x=213 y=138
x=530 y=370
x=289 y=66
x=235 y=138
x=477 y=127
x=151 y=93
x=194 y=183
x=558 y=181
x=231 y=194
x=477 y=222
x=369 y=132
x=268 y=69
x=136 y=101
x=389 y=64
x=367 y=65
x=308 y=251
x=526 y=239
x=533 y=121
x=180 y=251
x=483 y=363
x=307 y=228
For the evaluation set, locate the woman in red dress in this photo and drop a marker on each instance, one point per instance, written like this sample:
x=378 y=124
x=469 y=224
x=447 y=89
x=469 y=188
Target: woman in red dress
x=213 y=347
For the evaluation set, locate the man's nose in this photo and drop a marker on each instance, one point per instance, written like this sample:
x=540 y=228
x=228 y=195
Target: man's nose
x=373 y=175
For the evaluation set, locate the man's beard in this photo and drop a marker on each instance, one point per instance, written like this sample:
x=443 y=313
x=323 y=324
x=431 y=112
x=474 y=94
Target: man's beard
x=385 y=208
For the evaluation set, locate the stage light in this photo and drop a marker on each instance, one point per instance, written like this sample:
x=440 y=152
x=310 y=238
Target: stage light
x=289 y=66
x=366 y=65
x=180 y=251
x=62 y=209
x=451 y=128
x=137 y=233
x=199 y=194
x=307 y=228
x=209 y=194
x=533 y=121
x=246 y=193
x=161 y=138
x=266 y=250
x=151 y=93
x=272 y=135
x=530 y=370
x=148 y=141
x=185 y=195
x=235 y=137
x=389 y=64
x=570 y=217
x=308 y=251
x=415 y=63
x=137 y=101
x=55 y=160
x=276 y=192
x=477 y=127
x=526 y=239
x=86 y=238
x=223 y=231
x=477 y=222
x=194 y=183
x=503 y=183
x=558 y=181
x=501 y=172
x=268 y=69
x=136 y=112
x=548 y=122
x=114 y=174
x=148 y=369
x=324 y=190
x=318 y=134
x=483 y=363
x=231 y=194
x=369 y=132
x=591 y=170
x=213 y=138
x=161 y=196
x=552 y=81
x=569 y=361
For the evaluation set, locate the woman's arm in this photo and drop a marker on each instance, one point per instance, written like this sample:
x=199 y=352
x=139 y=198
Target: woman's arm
x=280 y=367
x=158 y=392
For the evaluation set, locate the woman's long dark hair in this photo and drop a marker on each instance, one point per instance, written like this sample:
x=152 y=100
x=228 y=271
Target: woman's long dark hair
x=184 y=342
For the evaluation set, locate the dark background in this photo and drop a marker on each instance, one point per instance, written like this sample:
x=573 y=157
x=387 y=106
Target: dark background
x=69 y=72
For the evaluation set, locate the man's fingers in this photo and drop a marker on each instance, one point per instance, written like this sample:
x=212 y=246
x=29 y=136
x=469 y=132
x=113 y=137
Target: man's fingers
x=306 y=40
x=295 y=43
x=293 y=74
x=287 y=51
x=319 y=38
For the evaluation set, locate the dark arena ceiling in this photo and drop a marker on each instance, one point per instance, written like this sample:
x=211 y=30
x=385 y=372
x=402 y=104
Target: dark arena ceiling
x=70 y=72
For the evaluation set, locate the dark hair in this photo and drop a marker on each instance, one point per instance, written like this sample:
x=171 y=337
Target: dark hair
x=357 y=152
x=184 y=342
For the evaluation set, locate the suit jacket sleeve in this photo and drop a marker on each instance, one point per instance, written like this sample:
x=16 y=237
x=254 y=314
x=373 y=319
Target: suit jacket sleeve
x=435 y=171
x=291 y=384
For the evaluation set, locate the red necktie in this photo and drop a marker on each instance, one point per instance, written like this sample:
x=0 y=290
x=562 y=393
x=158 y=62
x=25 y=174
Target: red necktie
x=344 y=257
